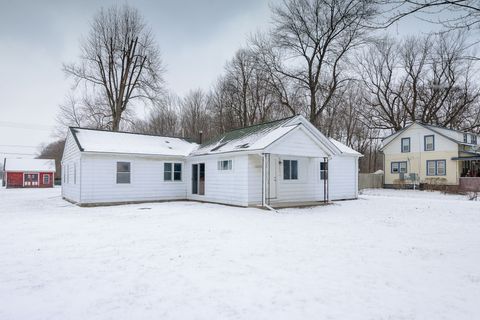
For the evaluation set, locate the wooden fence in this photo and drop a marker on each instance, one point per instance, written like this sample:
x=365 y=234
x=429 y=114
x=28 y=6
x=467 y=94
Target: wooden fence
x=370 y=180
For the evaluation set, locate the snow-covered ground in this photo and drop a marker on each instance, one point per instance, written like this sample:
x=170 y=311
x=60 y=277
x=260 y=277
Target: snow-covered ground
x=388 y=255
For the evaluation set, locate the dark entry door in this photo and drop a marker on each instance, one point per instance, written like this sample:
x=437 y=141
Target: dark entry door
x=198 y=178
x=195 y=178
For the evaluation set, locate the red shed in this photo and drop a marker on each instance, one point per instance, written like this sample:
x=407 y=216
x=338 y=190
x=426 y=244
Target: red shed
x=28 y=173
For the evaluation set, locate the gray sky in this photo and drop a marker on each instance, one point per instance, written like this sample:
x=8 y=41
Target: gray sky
x=196 y=38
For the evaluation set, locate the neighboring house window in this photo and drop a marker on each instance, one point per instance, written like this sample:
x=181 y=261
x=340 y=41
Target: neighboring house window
x=436 y=167
x=123 y=172
x=290 y=169
x=429 y=143
x=465 y=137
x=46 y=179
x=224 y=165
x=399 y=167
x=474 y=139
x=172 y=171
x=405 y=144
x=323 y=170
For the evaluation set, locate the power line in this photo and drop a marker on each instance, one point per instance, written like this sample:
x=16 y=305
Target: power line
x=17 y=146
x=20 y=154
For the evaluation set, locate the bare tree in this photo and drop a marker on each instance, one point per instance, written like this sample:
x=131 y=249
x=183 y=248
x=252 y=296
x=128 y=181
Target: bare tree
x=451 y=14
x=120 y=62
x=163 y=119
x=195 y=116
x=310 y=41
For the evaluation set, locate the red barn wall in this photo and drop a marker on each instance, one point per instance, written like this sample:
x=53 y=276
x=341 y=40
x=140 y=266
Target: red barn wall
x=14 y=179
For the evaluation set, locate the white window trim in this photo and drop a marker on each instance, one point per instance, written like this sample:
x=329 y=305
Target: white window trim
x=229 y=165
x=298 y=171
x=173 y=172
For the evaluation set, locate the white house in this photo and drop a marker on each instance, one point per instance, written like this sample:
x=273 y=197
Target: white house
x=283 y=162
x=432 y=154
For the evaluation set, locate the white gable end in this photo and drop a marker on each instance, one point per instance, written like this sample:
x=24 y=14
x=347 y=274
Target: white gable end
x=299 y=142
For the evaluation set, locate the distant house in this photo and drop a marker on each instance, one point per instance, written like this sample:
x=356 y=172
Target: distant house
x=28 y=173
x=431 y=154
x=277 y=163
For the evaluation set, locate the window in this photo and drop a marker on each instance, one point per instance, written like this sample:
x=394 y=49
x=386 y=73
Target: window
x=224 y=165
x=405 y=144
x=429 y=143
x=474 y=139
x=436 y=167
x=290 y=169
x=399 y=167
x=46 y=179
x=123 y=172
x=465 y=137
x=323 y=170
x=172 y=171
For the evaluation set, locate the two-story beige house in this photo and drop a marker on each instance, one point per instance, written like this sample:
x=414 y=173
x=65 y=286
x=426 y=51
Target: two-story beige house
x=430 y=154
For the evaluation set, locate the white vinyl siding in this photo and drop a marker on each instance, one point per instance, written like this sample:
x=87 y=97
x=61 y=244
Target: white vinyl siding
x=70 y=162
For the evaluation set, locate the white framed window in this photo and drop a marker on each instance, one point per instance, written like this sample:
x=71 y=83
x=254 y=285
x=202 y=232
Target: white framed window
x=436 y=167
x=46 y=179
x=399 y=167
x=172 y=171
x=123 y=172
x=429 y=143
x=290 y=170
x=323 y=170
x=405 y=144
x=224 y=165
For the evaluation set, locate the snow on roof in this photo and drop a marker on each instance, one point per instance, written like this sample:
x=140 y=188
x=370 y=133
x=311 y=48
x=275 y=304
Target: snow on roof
x=35 y=165
x=255 y=137
x=343 y=148
x=124 y=142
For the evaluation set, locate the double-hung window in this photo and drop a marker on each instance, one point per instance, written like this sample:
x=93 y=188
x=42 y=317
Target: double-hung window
x=123 y=172
x=405 y=144
x=429 y=143
x=290 y=169
x=399 y=167
x=474 y=139
x=172 y=171
x=223 y=165
x=46 y=179
x=436 y=167
x=323 y=170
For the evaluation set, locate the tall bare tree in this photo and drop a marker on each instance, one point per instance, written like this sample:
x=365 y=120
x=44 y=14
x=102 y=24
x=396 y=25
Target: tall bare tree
x=309 y=44
x=119 y=61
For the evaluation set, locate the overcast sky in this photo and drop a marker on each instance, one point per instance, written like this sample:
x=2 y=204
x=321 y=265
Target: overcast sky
x=196 y=38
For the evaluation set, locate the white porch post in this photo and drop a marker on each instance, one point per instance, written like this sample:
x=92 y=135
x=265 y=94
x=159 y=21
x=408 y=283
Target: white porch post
x=264 y=183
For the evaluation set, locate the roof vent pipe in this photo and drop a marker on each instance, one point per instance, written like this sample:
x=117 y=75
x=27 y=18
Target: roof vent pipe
x=200 y=137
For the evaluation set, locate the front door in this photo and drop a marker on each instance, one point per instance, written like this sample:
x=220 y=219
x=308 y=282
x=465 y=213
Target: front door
x=273 y=177
x=198 y=178
x=30 y=180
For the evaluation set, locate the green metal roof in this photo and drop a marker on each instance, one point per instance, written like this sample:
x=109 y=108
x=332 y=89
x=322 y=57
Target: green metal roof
x=242 y=133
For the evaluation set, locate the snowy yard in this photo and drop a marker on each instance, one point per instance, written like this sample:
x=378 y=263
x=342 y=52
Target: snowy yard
x=388 y=255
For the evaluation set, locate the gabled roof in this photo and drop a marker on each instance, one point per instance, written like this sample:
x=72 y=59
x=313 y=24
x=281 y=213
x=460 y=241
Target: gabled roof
x=254 y=137
x=30 y=165
x=260 y=136
x=433 y=128
x=92 y=140
x=344 y=149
